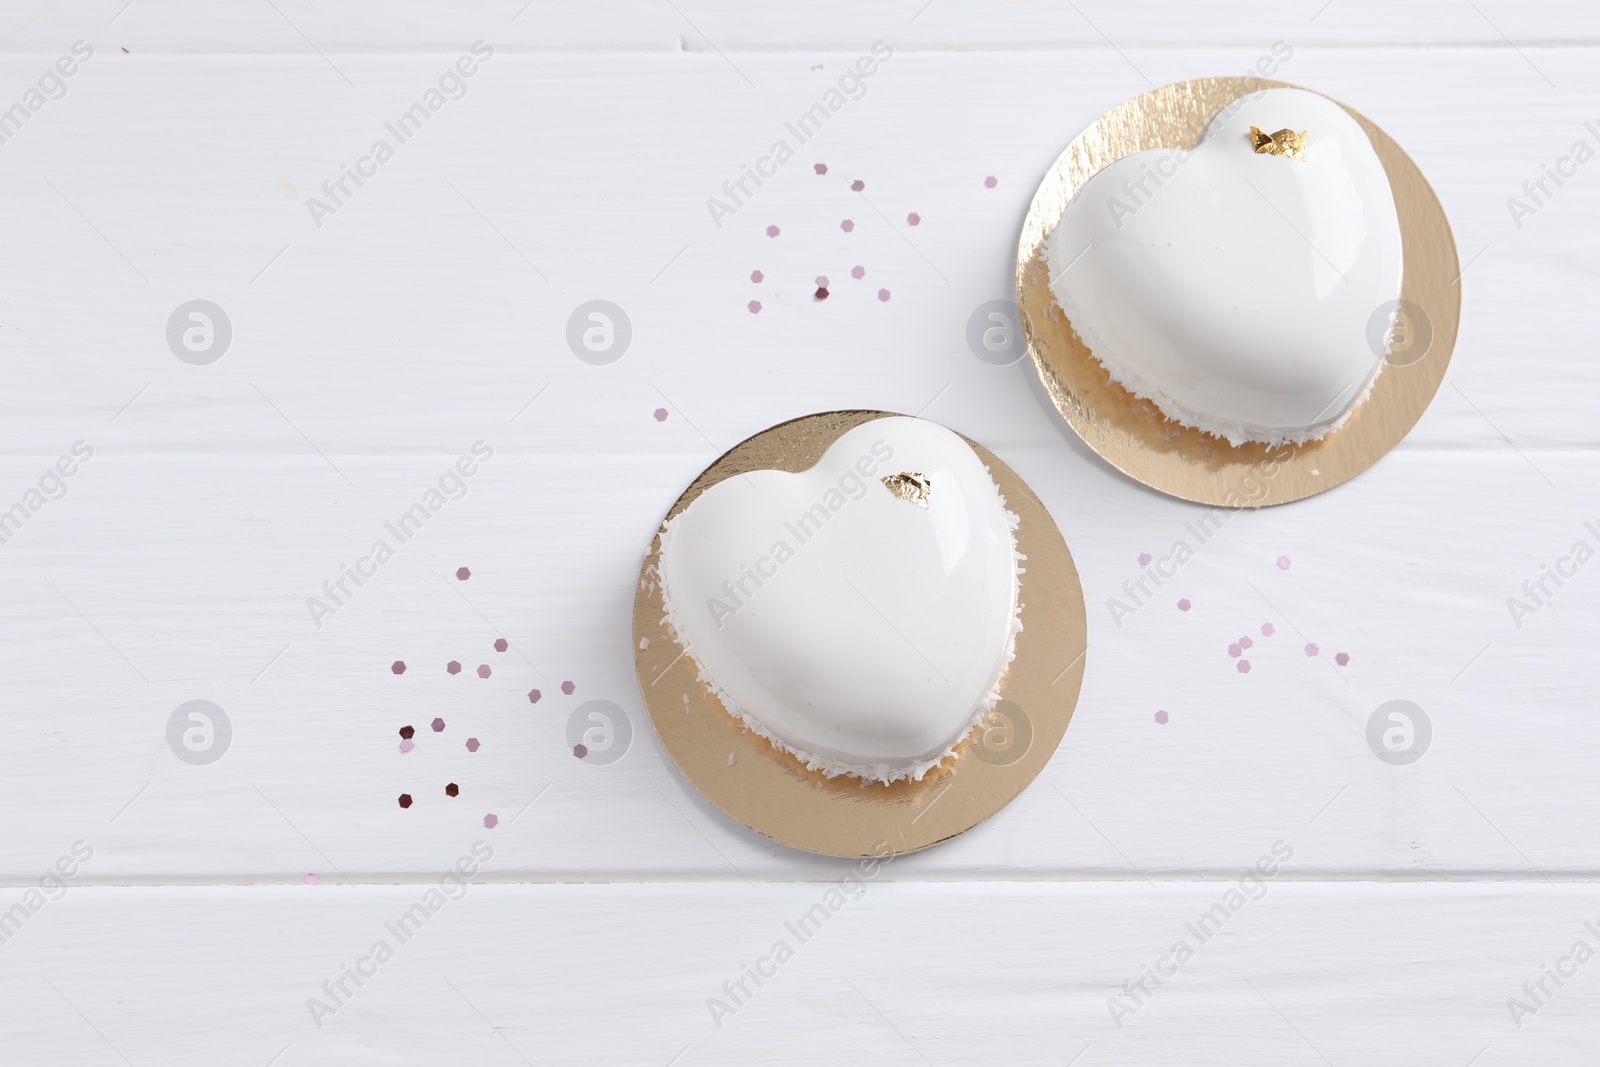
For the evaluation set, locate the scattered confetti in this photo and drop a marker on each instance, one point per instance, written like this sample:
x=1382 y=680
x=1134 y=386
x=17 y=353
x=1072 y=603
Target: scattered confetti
x=772 y=231
x=822 y=281
x=858 y=272
x=1234 y=650
x=501 y=644
x=452 y=790
x=857 y=186
x=756 y=276
x=407 y=745
x=472 y=744
x=313 y=879
x=399 y=666
x=661 y=414
x=1267 y=630
x=483 y=670
x=405 y=800
x=1244 y=666
x=913 y=219
x=567 y=688
x=847 y=225
x=454 y=666
x=754 y=306
x=821 y=293
x=1342 y=659
x=491 y=821
x=408 y=732
x=820 y=168
x=533 y=696
x=580 y=750
x=1161 y=716
x=1245 y=642
x=883 y=295
x=989 y=183
x=1312 y=650
x=438 y=726
x=1283 y=563
x=1144 y=559
x=462 y=574
x=1184 y=605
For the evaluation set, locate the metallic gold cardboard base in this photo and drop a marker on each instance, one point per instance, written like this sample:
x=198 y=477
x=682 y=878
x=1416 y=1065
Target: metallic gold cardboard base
x=770 y=791
x=1131 y=434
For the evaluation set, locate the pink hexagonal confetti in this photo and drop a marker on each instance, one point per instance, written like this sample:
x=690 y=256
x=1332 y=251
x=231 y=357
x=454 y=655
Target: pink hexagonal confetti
x=438 y=726
x=858 y=272
x=1244 y=666
x=1267 y=629
x=820 y=168
x=756 y=276
x=567 y=688
x=883 y=295
x=1184 y=605
x=990 y=182
x=313 y=879
x=772 y=231
x=822 y=281
x=754 y=306
x=1283 y=563
x=847 y=225
x=1342 y=659
x=857 y=186
x=483 y=670
x=1245 y=642
x=454 y=667
x=1161 y=717
x=913 y=219
x=399 y=666
x=472 y=744
x=533 y=696
x=490 y=821
x=580 y=750
x=1312 y=650
x=1144 y=559
x=1234 y=650
x=462 y=574
x=660 y=414
x=500 y=644
x=407 y=745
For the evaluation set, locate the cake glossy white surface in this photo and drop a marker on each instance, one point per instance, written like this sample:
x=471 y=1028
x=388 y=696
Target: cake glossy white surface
x=1235 y=289
x=863 y=630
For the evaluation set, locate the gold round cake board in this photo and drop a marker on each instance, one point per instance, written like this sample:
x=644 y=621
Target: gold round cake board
x=772 y=792
x=1131 y=434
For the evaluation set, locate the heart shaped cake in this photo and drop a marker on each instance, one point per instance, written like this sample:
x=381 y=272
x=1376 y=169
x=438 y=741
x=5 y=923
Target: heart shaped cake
x=860 y=614
x=1232 y=284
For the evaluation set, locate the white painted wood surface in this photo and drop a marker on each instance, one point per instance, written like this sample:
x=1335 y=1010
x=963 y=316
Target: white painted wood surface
x=429 y=311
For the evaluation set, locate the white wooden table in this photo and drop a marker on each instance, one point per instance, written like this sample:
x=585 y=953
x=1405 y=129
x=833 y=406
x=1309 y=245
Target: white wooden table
x=209 y=903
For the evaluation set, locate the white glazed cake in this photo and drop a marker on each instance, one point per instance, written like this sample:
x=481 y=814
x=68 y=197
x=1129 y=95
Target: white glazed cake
x=859 y=615
x=1233 y=285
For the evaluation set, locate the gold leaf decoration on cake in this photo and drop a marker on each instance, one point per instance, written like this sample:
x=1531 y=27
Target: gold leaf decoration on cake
x=909 y=485
x=1283 y=143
